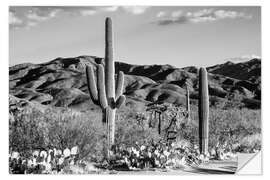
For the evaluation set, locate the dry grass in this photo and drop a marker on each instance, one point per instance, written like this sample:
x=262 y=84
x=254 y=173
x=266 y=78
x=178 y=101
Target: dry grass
x=31 y=129
x=232 y=126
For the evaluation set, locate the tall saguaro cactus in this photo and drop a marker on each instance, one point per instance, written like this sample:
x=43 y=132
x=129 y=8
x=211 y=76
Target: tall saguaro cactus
x=203 y=111
x=187 y=102
x=103 y=92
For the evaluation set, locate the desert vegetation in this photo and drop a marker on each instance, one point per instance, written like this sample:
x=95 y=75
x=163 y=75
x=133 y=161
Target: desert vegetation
x=230 y=131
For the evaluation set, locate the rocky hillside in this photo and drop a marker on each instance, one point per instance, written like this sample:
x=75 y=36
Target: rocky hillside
x=62 y=83
x=250 y=70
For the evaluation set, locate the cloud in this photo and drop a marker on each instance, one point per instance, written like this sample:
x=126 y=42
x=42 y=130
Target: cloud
x=92 y=11
x=110 y=8
x=13 y=19
x=21 y=17
x=34 y=16
x=99 y=9
x=221 y=14
x=204 y=15
x=31 y=16
x=88 y=12
x=160 y=14
x=176 y=13
x=31 y=24
x=179 y=20
x=38 y=15
x=136 y=10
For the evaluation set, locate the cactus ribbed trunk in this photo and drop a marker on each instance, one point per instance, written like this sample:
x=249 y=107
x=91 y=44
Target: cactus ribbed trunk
x=159 y=122
x=109 y=81
x=187 y=103
x=203 y=111
x=109 y=61
x=110 y=119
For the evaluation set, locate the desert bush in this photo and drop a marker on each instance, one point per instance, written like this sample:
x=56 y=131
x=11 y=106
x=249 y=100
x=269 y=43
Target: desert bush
x=229 y=127
x=26 y=132
x=70 y=129
x=132 y=127
x=250 y=144
x=57 y=128
x=188 y=132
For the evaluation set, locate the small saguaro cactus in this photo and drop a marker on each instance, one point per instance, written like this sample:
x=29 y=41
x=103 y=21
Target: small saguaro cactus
x=187 y=102
x=203 y=111
x=103 y=93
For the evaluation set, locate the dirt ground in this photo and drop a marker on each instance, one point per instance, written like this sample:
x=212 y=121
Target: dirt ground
x=212 y=167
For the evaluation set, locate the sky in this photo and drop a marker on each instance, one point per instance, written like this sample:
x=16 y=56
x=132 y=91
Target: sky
x=176 y=35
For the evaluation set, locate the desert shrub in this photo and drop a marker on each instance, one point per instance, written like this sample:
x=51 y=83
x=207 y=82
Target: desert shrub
x=57 y=128
x=188 y=132
x=229 y=104
x=250 y=143
x=231 y=126
x=132 y=127
x=69 y=128
x=26 y=131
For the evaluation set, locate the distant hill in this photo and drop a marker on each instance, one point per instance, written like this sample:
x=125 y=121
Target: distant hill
x=249 y=70
x=62 y=83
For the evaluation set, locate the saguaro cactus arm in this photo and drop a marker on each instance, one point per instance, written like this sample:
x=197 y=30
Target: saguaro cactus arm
x=119 y=84
x=120 y=101
x=101 y=87
x=92 y=84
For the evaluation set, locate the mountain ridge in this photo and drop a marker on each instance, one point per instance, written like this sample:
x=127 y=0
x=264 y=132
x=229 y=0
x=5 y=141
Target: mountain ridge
x=61 y=82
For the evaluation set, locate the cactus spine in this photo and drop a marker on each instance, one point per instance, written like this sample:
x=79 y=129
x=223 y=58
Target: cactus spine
x=187 y=102
x=103 y=92
x=203 y=111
